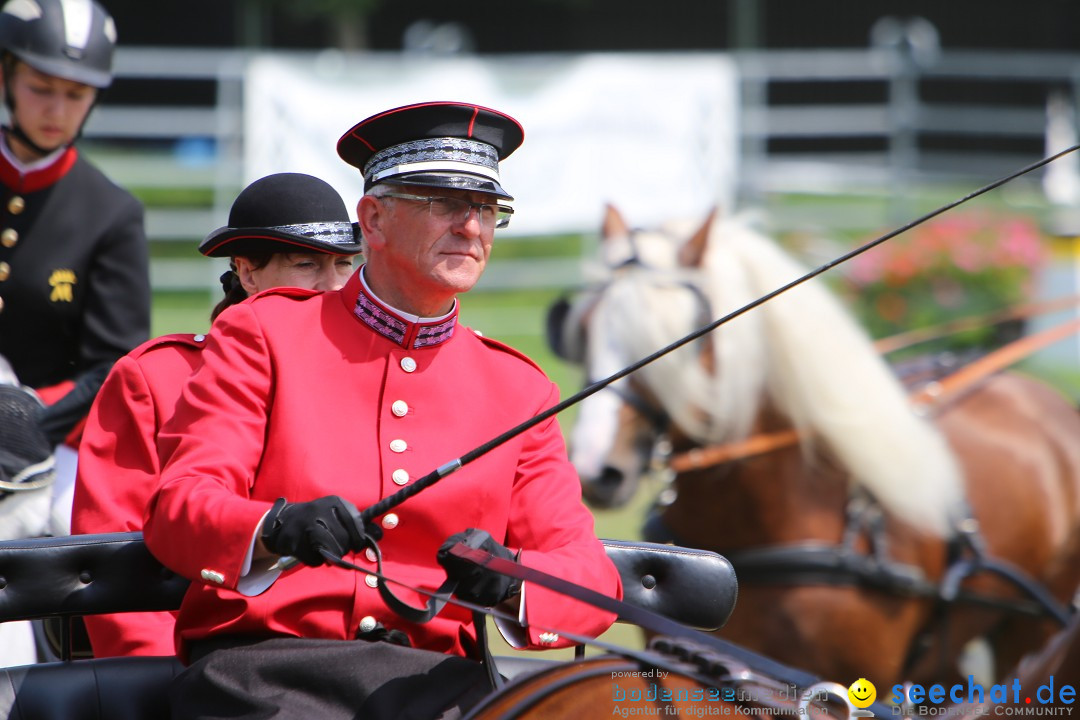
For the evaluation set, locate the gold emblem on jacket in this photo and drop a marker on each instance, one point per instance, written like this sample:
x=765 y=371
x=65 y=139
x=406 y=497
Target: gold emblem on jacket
x=62 y=282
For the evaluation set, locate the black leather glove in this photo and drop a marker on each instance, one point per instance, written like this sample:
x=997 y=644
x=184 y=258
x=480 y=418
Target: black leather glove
x=300 y=529
x=58 y=419
x=477 y=584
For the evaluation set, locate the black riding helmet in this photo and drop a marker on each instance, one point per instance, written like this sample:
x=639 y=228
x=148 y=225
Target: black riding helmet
x=69 y=39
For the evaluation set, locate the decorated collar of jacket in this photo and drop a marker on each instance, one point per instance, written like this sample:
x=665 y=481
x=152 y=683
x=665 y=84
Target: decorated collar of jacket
x=408 y=331
x=27 y=178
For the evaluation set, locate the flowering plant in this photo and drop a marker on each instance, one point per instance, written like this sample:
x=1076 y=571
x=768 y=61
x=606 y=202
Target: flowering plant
x=963 y=264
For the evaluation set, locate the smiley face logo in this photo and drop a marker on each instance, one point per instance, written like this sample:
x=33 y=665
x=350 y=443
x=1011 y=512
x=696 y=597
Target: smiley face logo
x=862 y=693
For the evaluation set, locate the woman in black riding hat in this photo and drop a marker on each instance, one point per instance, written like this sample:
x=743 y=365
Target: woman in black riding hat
x=285 y=230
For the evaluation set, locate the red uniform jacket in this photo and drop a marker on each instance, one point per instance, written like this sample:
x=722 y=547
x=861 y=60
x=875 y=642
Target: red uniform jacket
x=119 y=471
x=302 y=395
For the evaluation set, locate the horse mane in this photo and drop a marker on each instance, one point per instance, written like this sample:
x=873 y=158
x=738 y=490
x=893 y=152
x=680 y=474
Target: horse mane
x=823 y=372
x=801 y=352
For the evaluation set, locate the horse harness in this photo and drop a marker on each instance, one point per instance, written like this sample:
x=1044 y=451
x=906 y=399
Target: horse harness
x=819 y=563
x=842 y=564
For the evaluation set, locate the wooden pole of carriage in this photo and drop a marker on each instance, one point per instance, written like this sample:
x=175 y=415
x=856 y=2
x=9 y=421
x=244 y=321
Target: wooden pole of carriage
x=910 y=338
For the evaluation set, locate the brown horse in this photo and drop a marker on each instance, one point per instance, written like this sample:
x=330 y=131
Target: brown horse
x=873 y=507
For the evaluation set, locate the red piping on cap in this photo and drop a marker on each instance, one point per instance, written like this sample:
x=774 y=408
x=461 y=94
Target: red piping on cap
x=366 y=143
x=472 y=121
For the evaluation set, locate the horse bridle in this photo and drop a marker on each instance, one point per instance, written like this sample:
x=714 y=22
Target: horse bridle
x=656 y=416
x=653 y=412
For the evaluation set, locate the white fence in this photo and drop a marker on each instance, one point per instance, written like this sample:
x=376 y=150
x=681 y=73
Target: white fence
x=850 y=121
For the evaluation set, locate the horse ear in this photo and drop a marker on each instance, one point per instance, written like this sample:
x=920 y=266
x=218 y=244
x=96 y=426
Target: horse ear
x=614 y=225
x=692 y=253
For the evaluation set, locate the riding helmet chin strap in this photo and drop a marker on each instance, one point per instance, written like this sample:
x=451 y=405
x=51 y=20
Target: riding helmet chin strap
x=13 y=130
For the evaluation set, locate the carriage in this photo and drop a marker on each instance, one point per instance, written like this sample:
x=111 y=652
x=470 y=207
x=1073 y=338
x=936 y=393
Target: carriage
x=669 y=588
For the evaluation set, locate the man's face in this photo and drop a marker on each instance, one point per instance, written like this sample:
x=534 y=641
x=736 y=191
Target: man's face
x=429 y=254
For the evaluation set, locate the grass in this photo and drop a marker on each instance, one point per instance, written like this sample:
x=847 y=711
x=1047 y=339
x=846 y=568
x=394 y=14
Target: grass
x=1065 y=379
x=180 y=312
x=174 y=250
x=174 y=197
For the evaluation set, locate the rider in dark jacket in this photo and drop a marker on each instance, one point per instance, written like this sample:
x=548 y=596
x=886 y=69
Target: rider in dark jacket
x=74 y=278
x=74 y=269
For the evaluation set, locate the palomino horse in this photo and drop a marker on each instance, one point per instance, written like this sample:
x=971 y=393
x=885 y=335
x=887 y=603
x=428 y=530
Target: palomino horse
x=866 y=513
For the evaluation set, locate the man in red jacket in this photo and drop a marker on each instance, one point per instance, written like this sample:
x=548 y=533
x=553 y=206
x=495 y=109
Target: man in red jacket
x=308 y=406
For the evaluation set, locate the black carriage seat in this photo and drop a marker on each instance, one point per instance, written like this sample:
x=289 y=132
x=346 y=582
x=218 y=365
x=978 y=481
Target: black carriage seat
x=69 y=577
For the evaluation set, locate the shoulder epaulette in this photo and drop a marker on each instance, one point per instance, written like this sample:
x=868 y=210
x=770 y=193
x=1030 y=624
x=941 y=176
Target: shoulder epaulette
x=496 y=345
x=184 y=339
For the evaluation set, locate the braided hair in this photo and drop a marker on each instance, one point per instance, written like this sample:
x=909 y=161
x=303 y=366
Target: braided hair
x=230 y=281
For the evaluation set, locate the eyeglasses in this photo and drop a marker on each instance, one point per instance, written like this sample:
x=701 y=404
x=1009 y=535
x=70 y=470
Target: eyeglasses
x=455 y=210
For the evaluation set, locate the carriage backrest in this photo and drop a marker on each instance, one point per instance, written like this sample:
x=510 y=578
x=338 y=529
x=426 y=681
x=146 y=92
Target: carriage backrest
x=69 y=577
x=80 y=575
x=83 y=575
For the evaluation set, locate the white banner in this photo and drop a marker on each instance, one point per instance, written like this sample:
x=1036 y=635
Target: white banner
x=655 y=134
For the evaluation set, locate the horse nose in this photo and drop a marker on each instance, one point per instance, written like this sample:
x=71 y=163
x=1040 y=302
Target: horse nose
x=604 y=490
